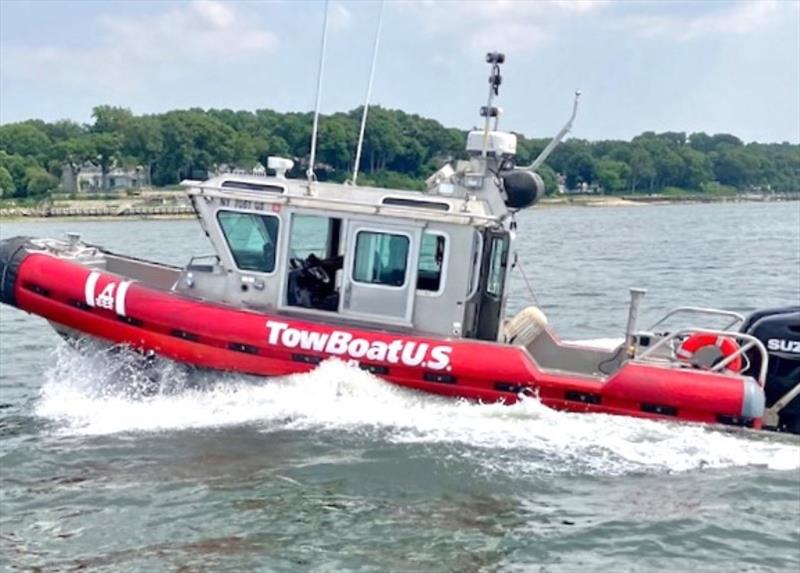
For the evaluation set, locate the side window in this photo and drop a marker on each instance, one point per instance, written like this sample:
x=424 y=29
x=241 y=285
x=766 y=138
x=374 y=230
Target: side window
x=497 y=267
x=381 y=258
x=252 y=239
x=309 y=236
x=475 y=264
x=431 y=260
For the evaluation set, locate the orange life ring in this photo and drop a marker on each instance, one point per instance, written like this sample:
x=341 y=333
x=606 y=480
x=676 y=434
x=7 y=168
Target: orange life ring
x=700 y=340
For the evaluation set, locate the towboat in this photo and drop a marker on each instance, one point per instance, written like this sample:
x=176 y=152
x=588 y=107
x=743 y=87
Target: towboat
x=410 y=286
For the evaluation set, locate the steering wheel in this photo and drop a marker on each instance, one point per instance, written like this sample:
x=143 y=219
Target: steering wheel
x=311 y=266
x=316 y=271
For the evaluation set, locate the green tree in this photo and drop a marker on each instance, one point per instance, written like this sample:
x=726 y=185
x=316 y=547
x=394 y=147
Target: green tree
x=25 y=140
x=106 y=147
x=39 y=181
x=143 y=142
x=549 y=178
x=735 y=167
x=7 y=187
x=642 y=168
x=73 y=153
x=110 y=119
x=17 y=165
x=698 y=169
x=399 y=148
x=580 y=169
x=612 y=175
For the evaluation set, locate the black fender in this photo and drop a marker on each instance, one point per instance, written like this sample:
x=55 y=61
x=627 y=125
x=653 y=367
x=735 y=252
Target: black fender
x=12 y=252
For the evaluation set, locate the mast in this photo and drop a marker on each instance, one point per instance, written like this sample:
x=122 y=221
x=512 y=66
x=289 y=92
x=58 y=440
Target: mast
x=495 y=79
x=310 y=171
x=368 y=96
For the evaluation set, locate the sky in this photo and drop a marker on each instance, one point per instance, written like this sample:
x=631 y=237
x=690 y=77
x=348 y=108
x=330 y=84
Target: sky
x=711 y=65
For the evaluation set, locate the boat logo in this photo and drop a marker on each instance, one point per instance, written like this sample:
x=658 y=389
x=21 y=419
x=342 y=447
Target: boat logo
x=112 y=297
x=784 y=345
x=344 y=344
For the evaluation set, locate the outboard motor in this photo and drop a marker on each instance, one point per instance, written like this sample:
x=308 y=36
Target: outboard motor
x=779 y=330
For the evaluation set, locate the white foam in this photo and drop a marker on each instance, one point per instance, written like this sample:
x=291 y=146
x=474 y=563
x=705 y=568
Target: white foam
x=106 y=393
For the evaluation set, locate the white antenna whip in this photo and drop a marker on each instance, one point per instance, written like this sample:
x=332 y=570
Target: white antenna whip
x=310 y=171
x=369 y=95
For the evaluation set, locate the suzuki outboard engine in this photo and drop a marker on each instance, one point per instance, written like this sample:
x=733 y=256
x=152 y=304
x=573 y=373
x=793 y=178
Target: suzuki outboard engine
x=779 y=330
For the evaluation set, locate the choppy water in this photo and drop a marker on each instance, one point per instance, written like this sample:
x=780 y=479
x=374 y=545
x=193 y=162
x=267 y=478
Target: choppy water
x=336 y=470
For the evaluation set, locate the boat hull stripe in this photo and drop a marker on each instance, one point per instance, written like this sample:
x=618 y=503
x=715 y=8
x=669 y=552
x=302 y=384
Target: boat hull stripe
x=119 y=303
x=89 y=289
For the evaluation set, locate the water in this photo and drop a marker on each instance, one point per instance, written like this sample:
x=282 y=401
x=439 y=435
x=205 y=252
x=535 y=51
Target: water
x=336 y=470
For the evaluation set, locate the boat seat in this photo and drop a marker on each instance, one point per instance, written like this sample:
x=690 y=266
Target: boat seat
x=525 y=326
x=528 y=328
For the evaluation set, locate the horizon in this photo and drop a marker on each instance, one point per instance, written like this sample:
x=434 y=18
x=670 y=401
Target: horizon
x=723 y=67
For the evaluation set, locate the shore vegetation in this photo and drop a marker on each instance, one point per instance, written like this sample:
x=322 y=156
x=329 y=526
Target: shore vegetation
x=400 y=150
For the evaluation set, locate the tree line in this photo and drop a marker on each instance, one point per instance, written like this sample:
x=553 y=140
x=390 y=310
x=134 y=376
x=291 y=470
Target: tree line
x=400 y=150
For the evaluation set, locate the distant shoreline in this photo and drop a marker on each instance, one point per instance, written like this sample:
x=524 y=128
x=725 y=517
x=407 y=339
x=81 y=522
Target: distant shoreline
x=640 y=200
x=116 y=209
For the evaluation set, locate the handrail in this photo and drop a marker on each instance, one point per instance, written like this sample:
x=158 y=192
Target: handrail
x=737 y=318
x=772 y=414
x=751 y=342
x=200 y=257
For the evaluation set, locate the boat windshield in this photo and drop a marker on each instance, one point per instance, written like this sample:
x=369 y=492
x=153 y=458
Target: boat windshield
x=251 y=238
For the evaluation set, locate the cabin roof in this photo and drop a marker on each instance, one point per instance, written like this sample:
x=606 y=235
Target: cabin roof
x=455 y=208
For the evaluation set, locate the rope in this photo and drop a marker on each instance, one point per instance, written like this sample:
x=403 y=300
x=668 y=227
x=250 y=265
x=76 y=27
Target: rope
x=518 y=264
x=310 y=171
x=369 y=94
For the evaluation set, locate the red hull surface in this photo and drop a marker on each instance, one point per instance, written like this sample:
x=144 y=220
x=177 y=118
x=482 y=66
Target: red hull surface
x=222 y=337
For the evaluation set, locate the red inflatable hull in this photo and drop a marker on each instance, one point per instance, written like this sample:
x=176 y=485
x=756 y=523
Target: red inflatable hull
x=222 y=337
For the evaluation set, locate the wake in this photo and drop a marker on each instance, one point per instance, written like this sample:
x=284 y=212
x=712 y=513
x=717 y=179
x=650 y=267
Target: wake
x=101 y=392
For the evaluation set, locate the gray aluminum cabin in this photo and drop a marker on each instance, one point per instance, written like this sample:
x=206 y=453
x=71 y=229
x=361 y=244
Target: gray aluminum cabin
x=432 y=262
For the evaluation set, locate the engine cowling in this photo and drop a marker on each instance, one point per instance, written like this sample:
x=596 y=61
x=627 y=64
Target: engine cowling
x=522 y=188
x=779 y=330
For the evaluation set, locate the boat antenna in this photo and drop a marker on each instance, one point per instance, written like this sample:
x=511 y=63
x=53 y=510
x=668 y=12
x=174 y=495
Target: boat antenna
x=310 y=171
x=556 y=140
x=495 y=79
x=369 y=94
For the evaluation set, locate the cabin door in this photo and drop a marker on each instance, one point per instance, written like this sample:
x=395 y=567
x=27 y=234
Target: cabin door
x=380 y=275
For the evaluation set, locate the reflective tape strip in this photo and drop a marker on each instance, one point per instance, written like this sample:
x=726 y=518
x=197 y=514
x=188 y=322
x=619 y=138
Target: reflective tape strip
x=684 y=353
x=122 y=290
x=720 y=341
x=89 y=288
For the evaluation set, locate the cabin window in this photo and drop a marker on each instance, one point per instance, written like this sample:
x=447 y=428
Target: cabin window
x=475 y=263
x=310 y=235
x=381 y=258
x=497 y=267
x=251 y=238
x=315 y=262
x=247 y=186
x=416 y=203
x=431 y=261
